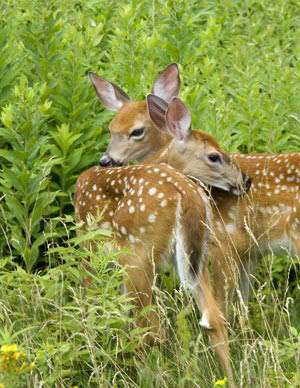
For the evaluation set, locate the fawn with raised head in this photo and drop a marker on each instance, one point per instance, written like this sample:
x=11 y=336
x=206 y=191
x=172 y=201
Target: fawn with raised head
x=159 y=212
x=132 y=138
x=245 y=229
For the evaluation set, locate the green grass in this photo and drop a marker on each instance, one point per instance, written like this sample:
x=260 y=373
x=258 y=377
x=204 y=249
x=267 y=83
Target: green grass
x=240 y=69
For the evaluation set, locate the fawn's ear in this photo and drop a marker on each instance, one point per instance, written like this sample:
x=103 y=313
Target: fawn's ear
x=157 y=108
x=111 y=96
x=167 y=84
x=178 y=119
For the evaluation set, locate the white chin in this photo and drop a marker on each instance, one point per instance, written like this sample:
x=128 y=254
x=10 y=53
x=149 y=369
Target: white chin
x=225 y=188
x=229 y=189
x=236 y=191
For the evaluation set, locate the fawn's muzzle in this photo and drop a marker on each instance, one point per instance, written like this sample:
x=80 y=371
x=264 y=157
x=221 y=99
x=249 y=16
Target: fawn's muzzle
x=243 y=187
x=107 y=161
x=247 y=182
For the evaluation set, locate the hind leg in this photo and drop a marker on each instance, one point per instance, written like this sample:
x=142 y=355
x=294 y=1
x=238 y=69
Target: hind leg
x=244 y=281
x=140 y=275
x=225 y=276
x=212 y=318
x=247 y=267
x=213 y=321
x=231 y=269
x=191 y=257
x=295 y=237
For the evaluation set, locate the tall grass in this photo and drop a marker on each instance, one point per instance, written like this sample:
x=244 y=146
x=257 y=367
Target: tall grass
x=240 y=68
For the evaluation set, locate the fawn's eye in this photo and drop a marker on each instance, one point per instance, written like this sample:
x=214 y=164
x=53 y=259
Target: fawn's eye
x=214 y=158
x=137 y=133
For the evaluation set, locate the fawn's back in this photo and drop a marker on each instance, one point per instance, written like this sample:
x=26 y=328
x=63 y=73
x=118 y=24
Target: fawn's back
x=147 y=206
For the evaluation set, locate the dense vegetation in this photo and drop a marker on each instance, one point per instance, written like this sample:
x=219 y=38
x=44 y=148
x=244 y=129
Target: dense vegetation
x=241 y=79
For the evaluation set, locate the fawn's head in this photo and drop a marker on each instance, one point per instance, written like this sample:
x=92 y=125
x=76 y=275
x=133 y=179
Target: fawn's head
x=196 y=154
x=141 y=129
x=133 y=134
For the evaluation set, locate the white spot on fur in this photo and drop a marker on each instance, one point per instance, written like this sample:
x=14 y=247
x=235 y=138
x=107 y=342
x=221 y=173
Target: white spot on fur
x=131 y=209
x=152 y=191
x=151 y=217
x=140 y=191
x=131 y=238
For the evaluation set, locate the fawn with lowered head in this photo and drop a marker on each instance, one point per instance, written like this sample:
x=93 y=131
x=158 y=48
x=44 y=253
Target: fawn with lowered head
x=159 y=212
x=245 y=229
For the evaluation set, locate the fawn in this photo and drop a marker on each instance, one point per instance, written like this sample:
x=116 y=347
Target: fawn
x=158 y=212
x=245 y=229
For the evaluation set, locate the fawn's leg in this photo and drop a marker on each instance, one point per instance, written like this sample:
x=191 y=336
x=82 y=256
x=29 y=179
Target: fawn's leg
x=247 y=266
x=213 y=320
x=140 y=273
x=295 y=237
x=225 y=276
x=191 y=258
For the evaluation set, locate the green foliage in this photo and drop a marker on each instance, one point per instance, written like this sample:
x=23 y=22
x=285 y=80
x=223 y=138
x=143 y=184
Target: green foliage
x=66 y=328
x=240 y=70
x=25 y=173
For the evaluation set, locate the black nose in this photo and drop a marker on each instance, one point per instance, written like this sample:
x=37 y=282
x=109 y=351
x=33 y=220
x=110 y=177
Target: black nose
x=106 y=161
x=247 y=182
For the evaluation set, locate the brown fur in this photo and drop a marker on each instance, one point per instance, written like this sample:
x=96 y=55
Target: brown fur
x=132 y=116
x=244 y=228
x=190 y=156
x=206 y=137
x=129 y=113
x=268 y=213
x=163 y=192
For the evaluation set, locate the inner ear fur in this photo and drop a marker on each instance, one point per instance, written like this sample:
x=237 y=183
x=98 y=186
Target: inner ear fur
x=178 y=119
x=157 y=108
x=167 y=84
x=111 y=96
